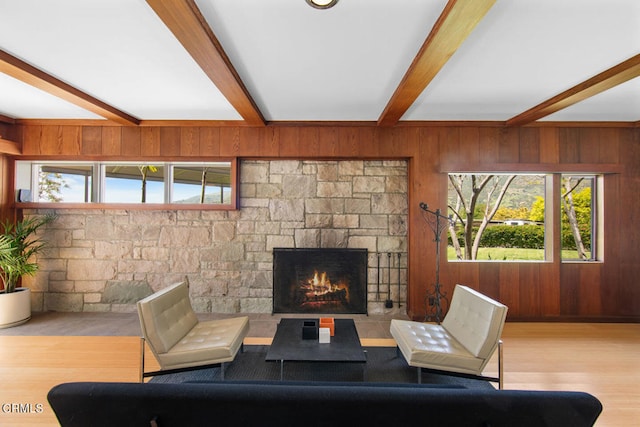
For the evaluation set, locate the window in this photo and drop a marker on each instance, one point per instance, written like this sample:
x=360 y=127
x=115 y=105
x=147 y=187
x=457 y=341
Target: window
x=509 y=217
x=209 y=184
x=578 y=216
x=64 y=183
x=496 y=217
x=133 y=183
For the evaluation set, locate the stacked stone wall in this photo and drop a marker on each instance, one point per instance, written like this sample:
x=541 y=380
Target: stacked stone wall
x=105 y=260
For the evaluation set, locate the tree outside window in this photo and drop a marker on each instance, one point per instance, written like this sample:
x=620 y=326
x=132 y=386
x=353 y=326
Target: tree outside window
x=577 y=216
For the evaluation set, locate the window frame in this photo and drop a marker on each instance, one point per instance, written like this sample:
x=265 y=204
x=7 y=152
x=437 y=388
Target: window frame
x=35 y=178
x=98 y=184
x=170 y=189
x=597 y=217
x=552 y=214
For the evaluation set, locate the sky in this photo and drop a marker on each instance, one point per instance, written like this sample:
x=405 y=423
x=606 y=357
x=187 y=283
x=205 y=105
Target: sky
x=119 y=190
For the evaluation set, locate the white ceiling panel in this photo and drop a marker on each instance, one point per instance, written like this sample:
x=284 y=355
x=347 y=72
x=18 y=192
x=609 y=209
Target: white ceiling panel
x=527 y=51
x=301 y=63
x=20 y=100
x=117 y=51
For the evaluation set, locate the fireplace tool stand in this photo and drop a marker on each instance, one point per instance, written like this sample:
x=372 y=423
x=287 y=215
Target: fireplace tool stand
x=398 y=268
x=433 y=299
x=378 y=277
x=389 y=302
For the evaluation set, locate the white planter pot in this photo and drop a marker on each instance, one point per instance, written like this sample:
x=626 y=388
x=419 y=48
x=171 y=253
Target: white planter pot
x=15 y=308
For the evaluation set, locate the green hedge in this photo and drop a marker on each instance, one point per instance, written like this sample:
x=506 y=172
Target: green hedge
x=510 y=236
x=521 y=236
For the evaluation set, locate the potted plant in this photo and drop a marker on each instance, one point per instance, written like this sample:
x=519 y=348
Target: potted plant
x=18 y=246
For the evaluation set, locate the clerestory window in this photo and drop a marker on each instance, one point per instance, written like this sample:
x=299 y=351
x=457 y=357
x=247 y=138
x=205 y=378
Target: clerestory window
x=206 y=185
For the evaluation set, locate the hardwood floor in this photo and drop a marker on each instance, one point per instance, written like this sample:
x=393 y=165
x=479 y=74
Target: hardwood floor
x=601 y=359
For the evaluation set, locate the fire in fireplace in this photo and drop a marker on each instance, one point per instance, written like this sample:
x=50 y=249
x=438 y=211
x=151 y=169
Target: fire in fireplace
x=322 y=281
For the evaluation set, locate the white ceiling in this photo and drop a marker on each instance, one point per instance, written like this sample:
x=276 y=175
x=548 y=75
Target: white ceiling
x=302 y=64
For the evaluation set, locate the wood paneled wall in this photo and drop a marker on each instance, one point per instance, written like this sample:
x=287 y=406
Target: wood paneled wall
x=602 y=291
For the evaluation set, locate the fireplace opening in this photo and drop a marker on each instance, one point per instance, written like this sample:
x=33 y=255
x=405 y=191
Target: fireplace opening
x=322 y=281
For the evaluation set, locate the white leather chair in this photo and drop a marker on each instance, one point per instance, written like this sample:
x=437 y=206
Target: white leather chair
x=464 y=342
x=178 y=340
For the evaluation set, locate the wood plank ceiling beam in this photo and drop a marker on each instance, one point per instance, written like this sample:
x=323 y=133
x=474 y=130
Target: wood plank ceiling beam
x=606 y=80
x=37 y=78
x=185 y=21
x=456 y=22
x=9 y=147
x=7 y=119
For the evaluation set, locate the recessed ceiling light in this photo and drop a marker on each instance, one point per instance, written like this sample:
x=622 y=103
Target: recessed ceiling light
x=322 y=4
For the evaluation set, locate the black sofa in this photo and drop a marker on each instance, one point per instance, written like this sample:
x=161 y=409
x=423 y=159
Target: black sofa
x=277 y=404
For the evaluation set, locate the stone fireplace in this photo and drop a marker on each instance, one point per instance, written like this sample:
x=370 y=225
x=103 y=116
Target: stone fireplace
x=107 y=259
x=320 y=281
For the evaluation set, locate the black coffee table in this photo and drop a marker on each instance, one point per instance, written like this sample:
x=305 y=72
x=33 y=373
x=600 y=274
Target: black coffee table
x=288 y=345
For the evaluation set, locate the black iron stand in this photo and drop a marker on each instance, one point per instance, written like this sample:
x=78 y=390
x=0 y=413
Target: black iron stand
x=433 y=299
x=389 y=302
x=399 y=299
x=378 y=278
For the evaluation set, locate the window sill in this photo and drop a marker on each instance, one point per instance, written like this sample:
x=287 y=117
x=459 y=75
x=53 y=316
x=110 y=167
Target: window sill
x=127 y=206
x=496 y=261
